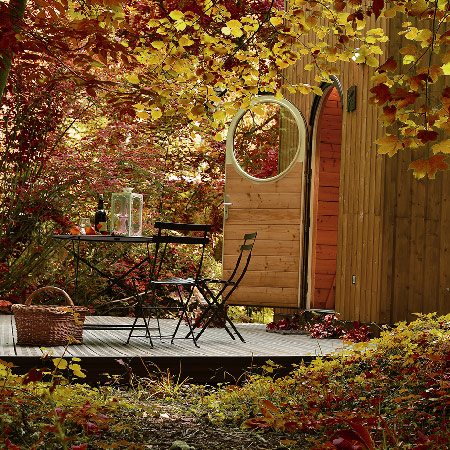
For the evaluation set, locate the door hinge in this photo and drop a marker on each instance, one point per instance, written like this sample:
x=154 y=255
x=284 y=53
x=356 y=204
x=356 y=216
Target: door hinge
x=308 y=176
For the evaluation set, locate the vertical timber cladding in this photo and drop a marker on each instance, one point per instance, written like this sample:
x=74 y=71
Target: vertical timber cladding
x=360 y=244
x=272 y=208
x=416 y=264
x=392 y=229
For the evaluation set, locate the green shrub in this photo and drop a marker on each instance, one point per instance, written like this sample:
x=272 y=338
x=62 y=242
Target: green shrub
x=391 y=392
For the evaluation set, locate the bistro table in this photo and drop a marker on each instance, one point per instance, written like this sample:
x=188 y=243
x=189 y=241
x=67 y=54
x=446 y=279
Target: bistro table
x=113 y=280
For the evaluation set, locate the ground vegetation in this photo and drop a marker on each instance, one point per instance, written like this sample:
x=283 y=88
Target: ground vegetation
x=389 y=393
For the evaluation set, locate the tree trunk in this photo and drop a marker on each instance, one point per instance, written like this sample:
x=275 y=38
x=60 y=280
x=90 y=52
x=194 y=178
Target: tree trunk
x=16 y=13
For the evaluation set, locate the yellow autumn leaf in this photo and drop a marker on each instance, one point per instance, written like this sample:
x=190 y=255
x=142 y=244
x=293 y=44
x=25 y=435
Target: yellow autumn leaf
x=235 y=28
x=442 y=147
x=412 y=33
x=176 y=15
x=156 y=113
x=409 y=59
x=76 y=369
x=219 y=115
x=133 y=78
x=180 y=25
x=143 y=114
x=185 y=41
x=372 y=61
x=388 y=145
x=275 y=21
x=304 y=89
x=153 y=23
x=226 y=31
x=234 y=24
x=446 y=69
x=139 y=106
x=158 y=45
x=424 y=35
x=218 y=137
x=60 y=363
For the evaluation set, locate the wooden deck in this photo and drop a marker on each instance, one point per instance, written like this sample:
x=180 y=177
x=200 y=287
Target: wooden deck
x=217 y=356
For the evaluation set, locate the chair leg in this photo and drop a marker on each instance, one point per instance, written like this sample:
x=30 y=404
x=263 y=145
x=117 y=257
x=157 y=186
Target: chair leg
x=184 y=313
x=140 y=314
x=221 y=308
x=227 y=319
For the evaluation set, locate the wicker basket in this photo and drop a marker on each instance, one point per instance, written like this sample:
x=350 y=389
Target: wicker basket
x=49 y=325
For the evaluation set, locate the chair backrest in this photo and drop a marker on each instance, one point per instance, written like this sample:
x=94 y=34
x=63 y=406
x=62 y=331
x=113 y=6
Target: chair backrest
x=178 y=233
x=242 y=262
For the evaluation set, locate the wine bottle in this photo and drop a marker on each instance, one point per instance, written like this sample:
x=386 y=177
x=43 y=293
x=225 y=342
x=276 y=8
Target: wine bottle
x=100 y=217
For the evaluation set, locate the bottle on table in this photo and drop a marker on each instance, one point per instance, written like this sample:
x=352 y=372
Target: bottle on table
x=101 y=221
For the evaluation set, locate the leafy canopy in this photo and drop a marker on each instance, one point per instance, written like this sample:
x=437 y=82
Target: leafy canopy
x=206 y=59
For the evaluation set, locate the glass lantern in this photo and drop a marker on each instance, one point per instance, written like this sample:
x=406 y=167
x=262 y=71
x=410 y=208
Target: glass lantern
x=126 y=213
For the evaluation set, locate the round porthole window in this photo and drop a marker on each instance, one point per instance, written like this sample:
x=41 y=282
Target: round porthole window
x=265 y=140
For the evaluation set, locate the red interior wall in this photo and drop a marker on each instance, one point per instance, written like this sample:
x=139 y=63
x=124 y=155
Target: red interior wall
x=329 y=146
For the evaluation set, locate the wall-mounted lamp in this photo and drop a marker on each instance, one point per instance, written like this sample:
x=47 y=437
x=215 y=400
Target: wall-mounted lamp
x=351 y=98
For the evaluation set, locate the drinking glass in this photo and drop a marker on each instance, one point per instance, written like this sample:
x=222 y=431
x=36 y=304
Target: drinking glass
x=85 y=222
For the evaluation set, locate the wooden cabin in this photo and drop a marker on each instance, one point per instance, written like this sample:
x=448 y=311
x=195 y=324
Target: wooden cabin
x=339 y=227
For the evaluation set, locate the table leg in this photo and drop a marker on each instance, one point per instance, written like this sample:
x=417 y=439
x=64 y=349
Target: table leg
x=77 y=264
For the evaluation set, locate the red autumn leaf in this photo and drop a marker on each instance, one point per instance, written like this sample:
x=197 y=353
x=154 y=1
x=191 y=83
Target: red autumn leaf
x=259 y=422
x=429 y=166
x=268 y=407
x=91 y=427
x=388 y=66
x=347 y=440
x=33 y=375
x=363 y=434
x=418 y=81
x=446 y=95
x=427 y=136
x=404 y=97
x=339 y=5
x=382 y=94
x=377 y=7
x=388 y=115
x=90 y=91
x=11 y=446
x=79 y=447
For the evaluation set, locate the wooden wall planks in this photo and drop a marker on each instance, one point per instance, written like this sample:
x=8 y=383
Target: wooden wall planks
x=273 y=210
x=392 y=229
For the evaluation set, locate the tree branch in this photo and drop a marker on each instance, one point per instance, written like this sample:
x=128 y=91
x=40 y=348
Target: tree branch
x=16 y=13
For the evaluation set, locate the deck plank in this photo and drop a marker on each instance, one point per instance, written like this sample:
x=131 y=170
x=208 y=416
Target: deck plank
x=101 y=349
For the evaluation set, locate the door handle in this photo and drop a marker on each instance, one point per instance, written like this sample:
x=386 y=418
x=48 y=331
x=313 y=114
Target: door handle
x=225 y=209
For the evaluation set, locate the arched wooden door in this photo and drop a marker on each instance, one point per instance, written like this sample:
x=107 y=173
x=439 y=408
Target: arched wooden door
x=263 y=193
x=324 y=202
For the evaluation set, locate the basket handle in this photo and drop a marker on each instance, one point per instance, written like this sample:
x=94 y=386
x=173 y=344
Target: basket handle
x=46 y=288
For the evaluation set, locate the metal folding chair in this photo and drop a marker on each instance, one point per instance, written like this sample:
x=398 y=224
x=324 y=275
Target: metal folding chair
x=217 y=292
x=171 y=234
